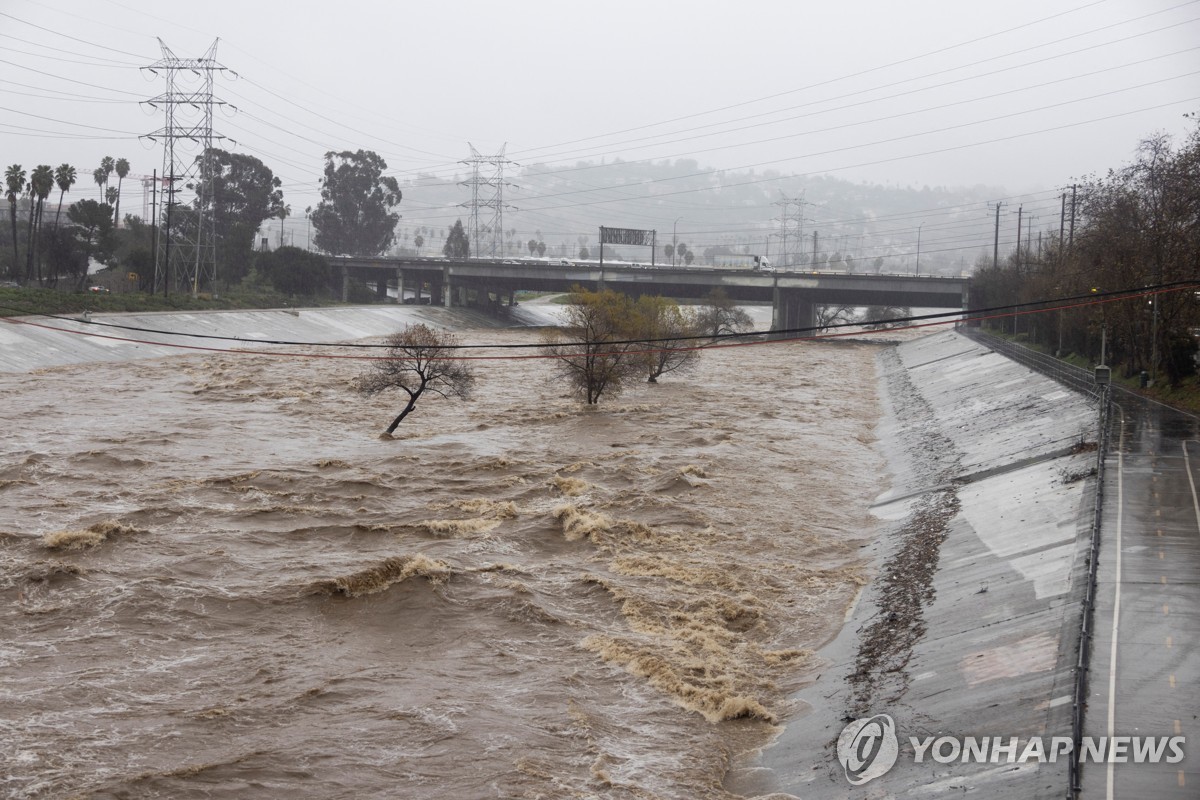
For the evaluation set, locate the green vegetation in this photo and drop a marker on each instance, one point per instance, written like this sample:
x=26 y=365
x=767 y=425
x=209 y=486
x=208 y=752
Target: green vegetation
x=1134 y=227
x=237 y=193
x=354 y=216
x=609 y=339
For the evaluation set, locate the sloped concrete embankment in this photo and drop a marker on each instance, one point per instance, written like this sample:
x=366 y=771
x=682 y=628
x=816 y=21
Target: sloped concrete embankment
x=29 y=343
x=970 y=625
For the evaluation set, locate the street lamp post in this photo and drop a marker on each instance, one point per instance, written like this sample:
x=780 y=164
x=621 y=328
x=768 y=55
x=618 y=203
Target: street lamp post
x=917 y=271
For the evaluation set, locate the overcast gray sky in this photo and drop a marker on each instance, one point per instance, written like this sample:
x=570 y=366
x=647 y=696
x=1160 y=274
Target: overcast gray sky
x=1022 y=94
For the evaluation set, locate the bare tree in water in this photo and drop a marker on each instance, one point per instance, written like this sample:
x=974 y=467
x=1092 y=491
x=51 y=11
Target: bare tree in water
x=828 y=316
x=720 y=316
x=419 y=360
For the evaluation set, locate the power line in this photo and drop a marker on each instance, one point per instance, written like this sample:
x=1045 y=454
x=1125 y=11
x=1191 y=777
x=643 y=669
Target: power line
x=1013 y=309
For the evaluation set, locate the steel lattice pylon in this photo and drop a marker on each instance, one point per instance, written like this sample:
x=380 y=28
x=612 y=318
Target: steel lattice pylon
x=492 y=198
x=185 y=247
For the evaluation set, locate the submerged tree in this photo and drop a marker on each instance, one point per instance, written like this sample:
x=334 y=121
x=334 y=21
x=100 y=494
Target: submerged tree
x=721 y=317
x=419 y=360
x=669 y=332
x=829 y=316
x=884 y=317
x=354 y=216
x=590 y=350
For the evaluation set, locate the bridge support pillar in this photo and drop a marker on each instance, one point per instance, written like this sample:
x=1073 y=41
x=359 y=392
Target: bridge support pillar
x=400 y=286
x=791 y=309
x=381 y=288
x=345 y=284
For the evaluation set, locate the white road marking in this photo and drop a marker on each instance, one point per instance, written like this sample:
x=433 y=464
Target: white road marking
x=1112 y=665
x=1187 y=467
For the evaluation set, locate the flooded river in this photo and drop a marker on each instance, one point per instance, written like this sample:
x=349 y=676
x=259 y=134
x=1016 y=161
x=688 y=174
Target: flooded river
x=219 y=582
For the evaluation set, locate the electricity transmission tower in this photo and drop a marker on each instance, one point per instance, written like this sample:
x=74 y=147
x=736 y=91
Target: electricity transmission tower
x=487 y=193
x=791 y=227
x=185 y=242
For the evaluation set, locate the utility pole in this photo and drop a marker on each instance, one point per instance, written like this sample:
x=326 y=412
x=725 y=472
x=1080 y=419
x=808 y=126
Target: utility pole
x=153 y=222
x=1062 y=221
x=1020 y=211
x=1029 y=232
x=814 y=255
x=918 y=268
x=996 y=241
x=169 y=191
x=1071 y=236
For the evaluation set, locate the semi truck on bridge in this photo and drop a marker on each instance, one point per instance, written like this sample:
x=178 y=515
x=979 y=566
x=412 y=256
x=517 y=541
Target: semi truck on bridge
x=754 y=262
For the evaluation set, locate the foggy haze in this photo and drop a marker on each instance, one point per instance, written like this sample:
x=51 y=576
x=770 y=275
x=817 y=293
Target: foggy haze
x=1018 y=98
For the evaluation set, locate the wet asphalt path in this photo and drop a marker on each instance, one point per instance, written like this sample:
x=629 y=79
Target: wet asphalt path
x=1148 y=684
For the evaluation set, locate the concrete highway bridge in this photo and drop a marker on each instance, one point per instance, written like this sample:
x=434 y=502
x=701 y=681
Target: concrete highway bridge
x=794 y=296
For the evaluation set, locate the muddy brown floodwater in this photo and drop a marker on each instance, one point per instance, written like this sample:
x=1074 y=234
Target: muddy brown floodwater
x=219 y=582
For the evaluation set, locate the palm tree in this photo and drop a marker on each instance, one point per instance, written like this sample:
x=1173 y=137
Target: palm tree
x=100 y=178
x=64 y=176
x=107 y=165
x=41 y=183
x=283 y=214
x=110 y=195
x=122 y=167
x=14 y=178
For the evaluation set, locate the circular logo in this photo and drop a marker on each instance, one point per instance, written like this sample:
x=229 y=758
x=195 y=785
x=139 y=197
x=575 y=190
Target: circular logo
x=867 y=748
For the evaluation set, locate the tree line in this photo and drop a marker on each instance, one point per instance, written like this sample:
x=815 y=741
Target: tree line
x=1134 y=227
x=235 y=191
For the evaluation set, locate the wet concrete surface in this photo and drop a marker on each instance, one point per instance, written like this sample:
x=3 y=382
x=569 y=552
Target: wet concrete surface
x=1149 y=580
x=998 y=629
x=37 y=342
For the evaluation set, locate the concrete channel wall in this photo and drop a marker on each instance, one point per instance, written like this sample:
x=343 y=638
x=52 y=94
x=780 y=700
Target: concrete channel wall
x=970 y=626
x=29 y=343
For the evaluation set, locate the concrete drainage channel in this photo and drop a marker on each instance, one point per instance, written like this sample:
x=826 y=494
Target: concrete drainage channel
x=1082 y=381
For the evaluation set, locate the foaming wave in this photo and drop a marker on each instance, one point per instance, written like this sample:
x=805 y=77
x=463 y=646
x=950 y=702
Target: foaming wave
x=90 y=536
x=457 y=527
x=579 y=523
x=496 y=509
x=572 y=487
x=388 y=572
x=713 y=703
